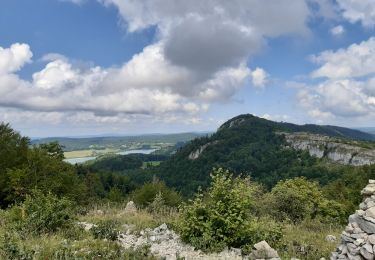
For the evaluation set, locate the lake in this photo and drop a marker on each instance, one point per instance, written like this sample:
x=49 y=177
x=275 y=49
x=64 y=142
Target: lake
x=85 y=159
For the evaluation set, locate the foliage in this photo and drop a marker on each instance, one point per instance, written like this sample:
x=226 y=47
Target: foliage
x=106 y=229
x=147 y=193
x=40 y=213
x=222 y=217
x=297 y=199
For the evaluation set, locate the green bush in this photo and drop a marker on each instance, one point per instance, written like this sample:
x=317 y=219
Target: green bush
x=146 y=194
x=298 y=199
x=223 y=216
x=41 y=213
x=105 y=229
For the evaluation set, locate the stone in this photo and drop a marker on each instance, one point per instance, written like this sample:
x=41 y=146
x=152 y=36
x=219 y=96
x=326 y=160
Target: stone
x=349 y=229
x=371 y=239
x=366 y=226
x=371 y=181
x=365 y=254
x=368 y=247
x=331 y=238
x=370 y=204
x=130 y=208
x=370 y=212
x=359 y=242
x=263 y=251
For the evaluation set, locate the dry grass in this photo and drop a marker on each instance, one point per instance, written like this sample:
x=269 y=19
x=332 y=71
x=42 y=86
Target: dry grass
x=308 y=240
x=140 y=220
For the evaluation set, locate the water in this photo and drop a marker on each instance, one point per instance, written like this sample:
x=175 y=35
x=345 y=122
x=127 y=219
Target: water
x=85 y=159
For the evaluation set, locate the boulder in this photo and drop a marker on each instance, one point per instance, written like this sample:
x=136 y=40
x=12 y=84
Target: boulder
x=262 y=250
x=130 y=208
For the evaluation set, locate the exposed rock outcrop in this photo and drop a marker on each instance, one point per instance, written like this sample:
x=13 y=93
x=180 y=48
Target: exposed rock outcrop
x=195 y=155
x=358 y=238
x=332 y=148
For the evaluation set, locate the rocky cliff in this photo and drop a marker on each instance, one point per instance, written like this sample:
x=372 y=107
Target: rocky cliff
x=334 y=149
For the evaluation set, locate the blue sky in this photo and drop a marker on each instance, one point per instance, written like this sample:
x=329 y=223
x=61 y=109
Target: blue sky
x=85 y=67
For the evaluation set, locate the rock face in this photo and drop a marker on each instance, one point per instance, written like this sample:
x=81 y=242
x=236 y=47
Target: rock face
x=195 y=155
x=358 y=238
x=332 y=148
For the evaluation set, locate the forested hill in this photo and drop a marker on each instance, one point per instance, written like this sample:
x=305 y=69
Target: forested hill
x=251 y=146
x=248 y=120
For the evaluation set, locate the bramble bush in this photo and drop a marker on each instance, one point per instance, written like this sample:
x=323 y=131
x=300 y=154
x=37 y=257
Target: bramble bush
x=223 y=216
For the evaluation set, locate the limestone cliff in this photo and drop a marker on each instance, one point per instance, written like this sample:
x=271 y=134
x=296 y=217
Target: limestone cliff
x=335 y=149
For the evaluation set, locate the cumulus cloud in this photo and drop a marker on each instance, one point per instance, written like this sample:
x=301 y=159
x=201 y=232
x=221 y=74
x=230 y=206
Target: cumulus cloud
x=355 y=61
x=362 y=11
x=347 y=87
x=198 y=57
x=259 y=77
x=14 y=58
x=337 y=30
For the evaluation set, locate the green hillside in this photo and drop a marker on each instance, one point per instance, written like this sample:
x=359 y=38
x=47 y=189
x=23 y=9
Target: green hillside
x=249 y=145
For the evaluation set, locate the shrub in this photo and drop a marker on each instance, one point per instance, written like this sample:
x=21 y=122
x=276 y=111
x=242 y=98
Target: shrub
x=41 y=213
x=105 y=229
x=223 y=216
x=147 y=193
x=297 y=199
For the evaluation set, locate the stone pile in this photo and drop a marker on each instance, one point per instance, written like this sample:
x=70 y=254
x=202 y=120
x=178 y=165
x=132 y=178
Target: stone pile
x=358 y=238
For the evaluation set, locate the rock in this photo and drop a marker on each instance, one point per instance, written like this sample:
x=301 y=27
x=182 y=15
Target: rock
x=371 y=239
x=366 y=254
x=263 y=251
x=370 y=212
x=130 y=208
x=331 y=238
x=87 y=226
x=366 y=226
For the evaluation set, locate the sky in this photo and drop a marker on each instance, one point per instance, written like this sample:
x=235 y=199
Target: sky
x=99 y=67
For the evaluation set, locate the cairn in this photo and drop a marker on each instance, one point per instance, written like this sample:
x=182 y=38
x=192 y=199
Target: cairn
x=358 y=238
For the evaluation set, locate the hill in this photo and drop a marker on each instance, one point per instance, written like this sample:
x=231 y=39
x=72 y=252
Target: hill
x=116 y=142
x=252 y=146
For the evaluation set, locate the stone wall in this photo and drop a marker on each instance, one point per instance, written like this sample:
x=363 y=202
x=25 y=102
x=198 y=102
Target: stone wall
x=358 y=238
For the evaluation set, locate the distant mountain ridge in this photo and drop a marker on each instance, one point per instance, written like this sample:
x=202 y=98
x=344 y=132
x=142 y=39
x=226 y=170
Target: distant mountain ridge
x=80 y=143
x=253 y=146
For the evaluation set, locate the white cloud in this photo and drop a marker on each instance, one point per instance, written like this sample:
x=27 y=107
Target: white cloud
x=198 y=57
x=337 y=30
x=355 y=61
x=14 y=58
x=362 y=11
x=259 y=77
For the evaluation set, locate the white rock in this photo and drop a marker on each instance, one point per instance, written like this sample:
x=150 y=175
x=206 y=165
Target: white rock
x=331 y=238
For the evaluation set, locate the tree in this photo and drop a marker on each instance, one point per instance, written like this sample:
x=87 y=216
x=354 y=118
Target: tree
x=54 y=149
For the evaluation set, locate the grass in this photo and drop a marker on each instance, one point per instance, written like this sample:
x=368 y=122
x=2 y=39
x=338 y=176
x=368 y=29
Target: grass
x=304 y=241
x=140 y=220
x=308 y=240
